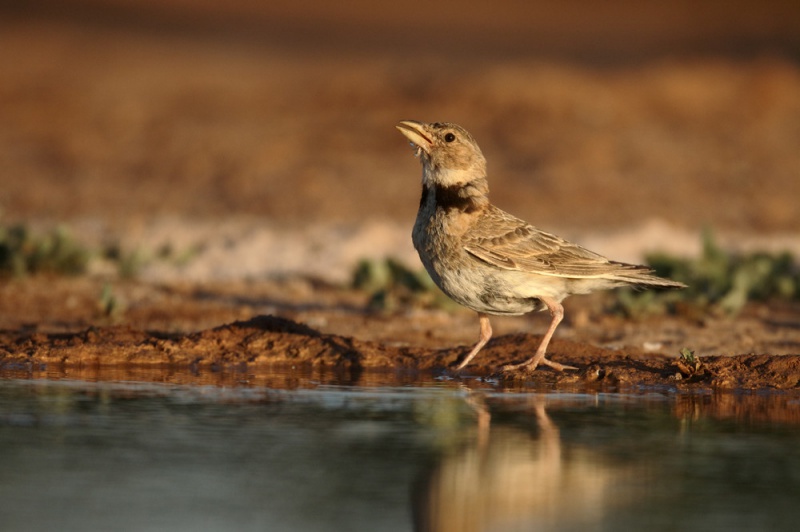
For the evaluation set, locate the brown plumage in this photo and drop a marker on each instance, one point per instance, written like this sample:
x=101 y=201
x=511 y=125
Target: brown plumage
x=489 y=260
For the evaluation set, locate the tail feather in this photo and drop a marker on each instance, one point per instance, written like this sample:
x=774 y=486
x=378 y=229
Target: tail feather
x=643 y=276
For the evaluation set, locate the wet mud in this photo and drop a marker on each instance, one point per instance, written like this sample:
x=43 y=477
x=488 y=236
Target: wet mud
x=260 y=344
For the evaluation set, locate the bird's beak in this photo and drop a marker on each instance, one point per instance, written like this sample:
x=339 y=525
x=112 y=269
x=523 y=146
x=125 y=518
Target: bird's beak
x=417 y=133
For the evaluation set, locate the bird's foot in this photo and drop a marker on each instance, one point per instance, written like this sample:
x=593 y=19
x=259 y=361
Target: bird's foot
x=530 y=365
x=556 y=366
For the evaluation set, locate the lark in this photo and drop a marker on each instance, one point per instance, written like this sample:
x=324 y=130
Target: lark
x=490 y=261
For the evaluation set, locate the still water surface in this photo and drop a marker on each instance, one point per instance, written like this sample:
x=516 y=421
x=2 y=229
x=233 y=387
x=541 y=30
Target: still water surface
x=435 y=455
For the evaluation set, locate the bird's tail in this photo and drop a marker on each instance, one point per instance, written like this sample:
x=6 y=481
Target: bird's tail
x=642 y=276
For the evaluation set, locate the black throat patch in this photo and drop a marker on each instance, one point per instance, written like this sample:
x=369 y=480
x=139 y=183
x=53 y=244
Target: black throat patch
x=451 y=198
x=424 y=197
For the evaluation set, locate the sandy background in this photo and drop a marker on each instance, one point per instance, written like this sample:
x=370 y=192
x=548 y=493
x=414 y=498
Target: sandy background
x=263 y=134
x=256 y=141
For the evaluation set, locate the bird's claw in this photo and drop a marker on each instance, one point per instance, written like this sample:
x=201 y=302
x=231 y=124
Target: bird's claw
x=529 y=366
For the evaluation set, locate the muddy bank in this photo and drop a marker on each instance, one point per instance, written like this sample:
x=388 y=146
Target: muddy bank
x=265 y=342
x=221 y=170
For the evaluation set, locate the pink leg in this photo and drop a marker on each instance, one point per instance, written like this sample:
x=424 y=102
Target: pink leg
x=486 y=333
x=557 y=312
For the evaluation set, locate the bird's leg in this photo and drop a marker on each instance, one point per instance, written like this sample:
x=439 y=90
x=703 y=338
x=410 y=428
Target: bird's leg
x=557 y=312
x=486 y=333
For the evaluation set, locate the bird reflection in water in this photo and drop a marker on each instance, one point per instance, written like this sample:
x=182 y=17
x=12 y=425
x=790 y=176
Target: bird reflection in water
x=509 y=478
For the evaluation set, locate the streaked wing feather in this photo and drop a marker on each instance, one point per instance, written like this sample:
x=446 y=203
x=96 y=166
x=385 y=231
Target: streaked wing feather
x=509 y=243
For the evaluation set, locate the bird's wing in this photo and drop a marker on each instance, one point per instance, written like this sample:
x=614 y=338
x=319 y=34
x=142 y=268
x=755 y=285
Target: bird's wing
x=509 y=243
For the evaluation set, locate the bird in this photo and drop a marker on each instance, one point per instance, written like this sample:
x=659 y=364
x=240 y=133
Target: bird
x=489 y=260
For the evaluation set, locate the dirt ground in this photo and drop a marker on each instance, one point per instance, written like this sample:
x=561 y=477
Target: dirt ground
x=151 y=133
x=56 y=325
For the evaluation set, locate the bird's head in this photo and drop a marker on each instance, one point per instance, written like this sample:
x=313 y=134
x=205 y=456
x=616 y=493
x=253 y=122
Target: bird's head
x=449 y=154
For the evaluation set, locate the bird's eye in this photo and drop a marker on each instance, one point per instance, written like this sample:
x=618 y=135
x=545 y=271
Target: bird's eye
x=450 y=137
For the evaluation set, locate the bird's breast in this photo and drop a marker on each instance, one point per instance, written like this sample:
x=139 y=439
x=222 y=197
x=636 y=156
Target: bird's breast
x=438 y=229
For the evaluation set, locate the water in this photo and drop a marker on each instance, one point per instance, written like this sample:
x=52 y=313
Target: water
x=303 y=455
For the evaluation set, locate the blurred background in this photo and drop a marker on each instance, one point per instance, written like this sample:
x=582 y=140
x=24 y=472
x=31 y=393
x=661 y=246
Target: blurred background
x=257 y=127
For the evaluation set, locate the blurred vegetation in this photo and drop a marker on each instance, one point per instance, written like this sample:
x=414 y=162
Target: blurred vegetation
x=392 y=284
x=25 y=252
x=129 y=263
x=108 y=304
x=718 y=282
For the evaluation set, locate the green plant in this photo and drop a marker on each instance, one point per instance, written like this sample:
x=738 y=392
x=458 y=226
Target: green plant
x=108 y=304
x=717 y=280
x=690 y=367
x=391 y=283
x=26 y=252
x=23 y=252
